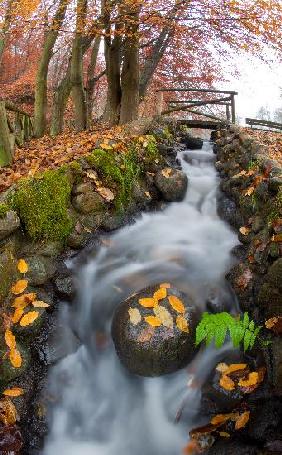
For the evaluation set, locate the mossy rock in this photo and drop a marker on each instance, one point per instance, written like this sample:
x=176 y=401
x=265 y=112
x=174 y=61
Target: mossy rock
x=7 y=371
x=270 y=298
x=153 y=351
x=274 y=275
x=8 y=271
x=32 y=329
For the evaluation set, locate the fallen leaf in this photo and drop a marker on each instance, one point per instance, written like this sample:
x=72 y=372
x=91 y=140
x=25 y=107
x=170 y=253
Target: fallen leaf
x=182 y=324
x=251 y=380
x=106 y=193
x=227 y=383
x=40 y=304
x=192 y=448
x=15 y=358
x=24 y=300
x=224 y=434
x=165 y=285
x=22 y=266
x=146 y=335
x=10 y=339
x=17 y=315
x=176 y=304
x=222 y=367
x=236 y=176
x=148 y=195
x=277 y=238
x=160 y=294
x=14 y=392
x=19 y=287
x=219 y=419
x=29 y=318
x=249 y=191
x=153 y=321
x=8 y=412
x=148 y=302
x=167 y=172
x=164 y=316
x=242 y=420
x=92 y=175
x=274 y=324
x=235 y=367
x=134 y=316
x=245 y=230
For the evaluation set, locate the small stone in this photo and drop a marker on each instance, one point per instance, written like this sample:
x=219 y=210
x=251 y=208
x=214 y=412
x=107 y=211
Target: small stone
x=172 y=187
x=41 y=269
x=88 y=202
x=9 y=224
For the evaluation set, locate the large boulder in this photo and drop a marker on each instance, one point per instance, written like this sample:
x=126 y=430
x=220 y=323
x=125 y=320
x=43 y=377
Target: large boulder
x=88 y=202
x=9 y=224
x=192 y=143
x=154 y=331
x=172 y=184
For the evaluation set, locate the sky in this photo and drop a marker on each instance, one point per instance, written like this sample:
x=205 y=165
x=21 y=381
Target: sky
x=259 y=84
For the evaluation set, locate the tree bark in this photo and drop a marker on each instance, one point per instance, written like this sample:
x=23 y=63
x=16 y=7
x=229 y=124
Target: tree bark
x=91 y=79
x=6 y=149
x=60 y=99
x=40 y=106
x=77 y=90
x=130 y=72
x=5 y=28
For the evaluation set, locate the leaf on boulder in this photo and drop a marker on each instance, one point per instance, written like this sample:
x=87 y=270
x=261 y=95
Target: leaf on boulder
x=219 y=419
x=8 y=412
x=24 y=300
x=106 y=193
x=164 y=316
x=160 y=294
x=165 y=285
x=227 y=383
x=249 y=191
x=222 y=367
x=19 y=287
x=242 y=420
x=29 y=318
x=146 y=335
x=252 y=379
x=167 y=172
x=92 y=175
x=17 y=315
x=176 y=304
x=245 y=230
x=235 y=367
x=22 y=266
x=40 y=304
x=14 y=392
x=274 y=324
x=134 y=316
x=15 y=358
x=10 y=339
x=148 y=302
x=182 y=324
x=153 y=321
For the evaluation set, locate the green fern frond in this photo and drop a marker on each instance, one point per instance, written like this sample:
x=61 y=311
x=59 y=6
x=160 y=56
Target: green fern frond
x=217 y=326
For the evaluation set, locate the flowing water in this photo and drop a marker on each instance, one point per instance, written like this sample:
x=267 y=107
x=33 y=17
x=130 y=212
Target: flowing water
x=102 y=409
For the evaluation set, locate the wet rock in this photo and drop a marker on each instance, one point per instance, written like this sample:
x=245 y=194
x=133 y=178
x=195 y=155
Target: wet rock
x=49 y=249
x=276 y=363
x=265 y=421
x=112 y=222
x=76 y=240
x=274 y=275
x=41 y=269
x=231 y=448
x=192 y=143
x=7 y=371
x=10 y=439
x=9 y=224
x=172 y=184
x=85 y=187
x=64 y=287
x=227 y=210
x=61 y=342
x=88 y=202
x=153 y=351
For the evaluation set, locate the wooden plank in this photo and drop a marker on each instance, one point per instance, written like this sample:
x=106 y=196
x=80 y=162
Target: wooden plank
x=258 y=122
x=189 y=106
x=203 y=90
x=221 y=103
x=213 y=117
x=202 y=124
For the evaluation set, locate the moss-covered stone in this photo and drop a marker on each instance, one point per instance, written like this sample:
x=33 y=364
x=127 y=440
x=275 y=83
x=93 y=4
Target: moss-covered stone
x=42 y=203
x=8 y=271
x=7 y=371
x=3 y=210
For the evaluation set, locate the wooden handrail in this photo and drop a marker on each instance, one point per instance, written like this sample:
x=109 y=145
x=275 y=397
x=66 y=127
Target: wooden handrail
x=259 y=122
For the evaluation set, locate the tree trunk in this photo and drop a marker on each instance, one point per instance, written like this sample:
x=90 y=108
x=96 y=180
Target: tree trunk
x=77 y=91
x=40 y=106
x=91 y=79
x=130 y=71
x=6 y=149
x=60 y=99
x=5 y=28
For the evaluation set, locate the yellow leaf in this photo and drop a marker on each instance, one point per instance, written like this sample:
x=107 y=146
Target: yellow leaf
x=239 y=175
x=221 y=367
x=10 y=339
x=249 y=191
x=235 y=367
x=167 y=172
x=29 y=318
x=165 y=285
x=153 y=321
x=15 y=358
x=244 y=230
x=164 y=316
x=176 y=304
x=227 y=383
x=182 y=324
x=19 y=287
x=221 y=418
x=14 y=392
x=22 y=266
x=8 y=412
x=17 y=315
x=160 y=294
x=252 y=379
x=40 y=304
x=134 y=316
x=148 y=302
x=242 y=420
x=106 y=193
x=224 y=434
x=24 y=300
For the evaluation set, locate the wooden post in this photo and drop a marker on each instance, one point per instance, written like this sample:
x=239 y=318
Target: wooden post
x=233 y=112
x=228 y=116
x=6 y=146
x=160 y=102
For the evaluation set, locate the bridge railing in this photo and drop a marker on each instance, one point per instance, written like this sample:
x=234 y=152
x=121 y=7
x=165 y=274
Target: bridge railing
x=16 y=127
x=258 y=122
x=227 y=99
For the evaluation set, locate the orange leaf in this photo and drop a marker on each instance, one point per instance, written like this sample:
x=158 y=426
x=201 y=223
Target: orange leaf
x=8 y=412
x=242 y=420
x=245 y=230
x=176 y=304
x=40 y=304
x=182 y=324
x=14 y=392
x=224 y=434
x=249 y=191
x=160 y=294
x=165 y=285
x=24 y=300
x=19 y=287
x=148 y=302
x=153 y=321
x=22 y=266
x=167 y=172
x=10 y=339
x=15 y=358
x=252 y=379
x=227 y=383
x=17 y=315
x=29 y=318
x=235 y=367
x=221 y=418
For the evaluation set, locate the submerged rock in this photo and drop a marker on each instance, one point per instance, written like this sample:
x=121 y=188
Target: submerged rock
x=154 y=331
x=172 y=184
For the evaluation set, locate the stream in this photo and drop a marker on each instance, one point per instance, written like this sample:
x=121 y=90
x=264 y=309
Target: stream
x=101 y=409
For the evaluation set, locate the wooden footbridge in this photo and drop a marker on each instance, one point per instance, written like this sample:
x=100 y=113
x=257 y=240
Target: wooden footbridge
x=167 y=105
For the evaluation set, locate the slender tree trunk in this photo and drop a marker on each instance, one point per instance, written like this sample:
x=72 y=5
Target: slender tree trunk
x=40 y=106
x=77 y=91
x=91 y=79
x=5 y=28
x=130 y=71
x=60 y=99
x=6 y=149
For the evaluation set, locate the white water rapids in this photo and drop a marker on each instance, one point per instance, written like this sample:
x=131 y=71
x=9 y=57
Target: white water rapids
x=102 y=409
